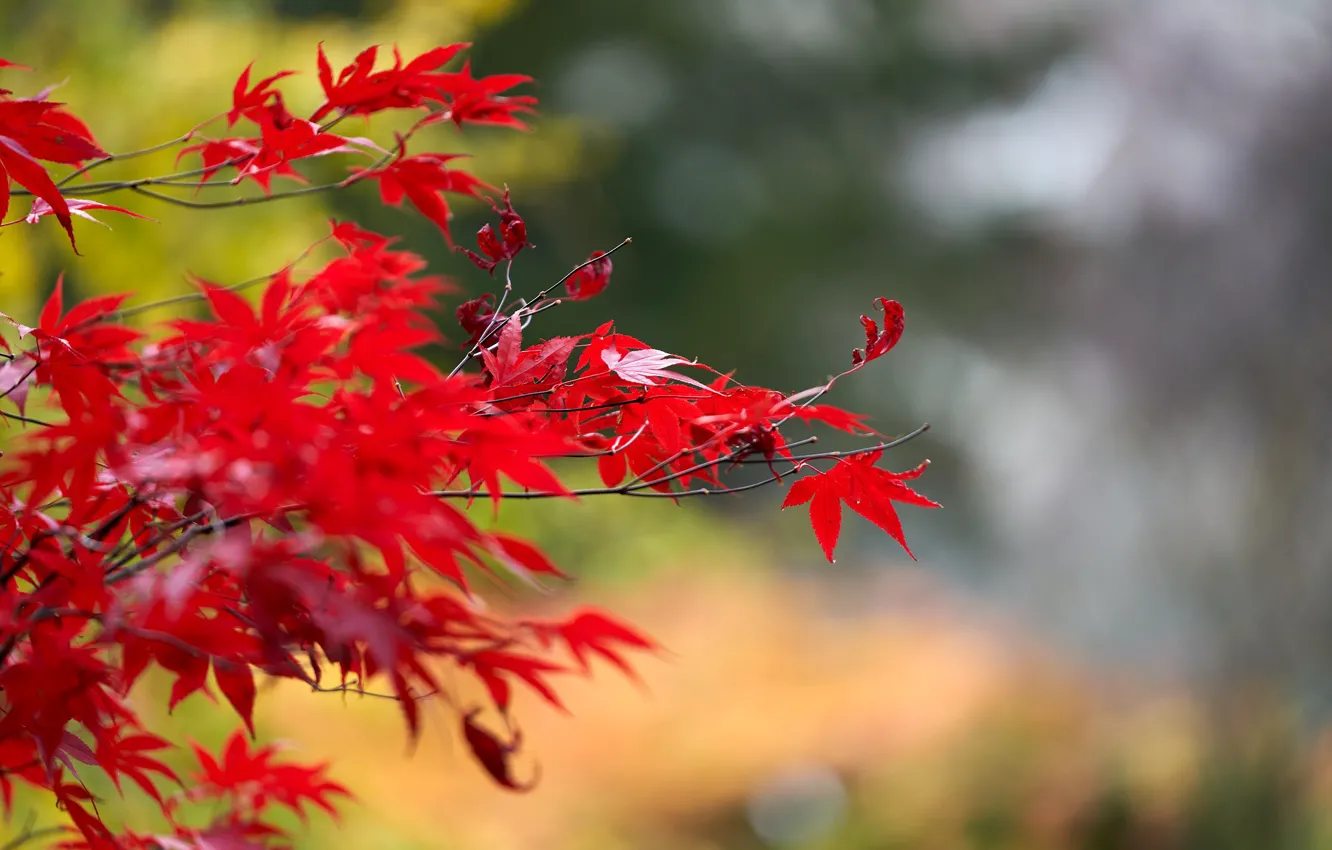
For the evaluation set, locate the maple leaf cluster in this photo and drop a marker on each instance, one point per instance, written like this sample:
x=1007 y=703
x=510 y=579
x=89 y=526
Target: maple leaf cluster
x=36 y=129
x=283 y=489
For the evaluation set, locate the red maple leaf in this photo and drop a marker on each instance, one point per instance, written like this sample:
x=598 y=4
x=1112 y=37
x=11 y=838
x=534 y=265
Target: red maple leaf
x=247 y=101
x=591 y=279
x=255 y=779
x=511 y=239
x=282 y=145
x=647 y=366
x=865 y=488
x=592 y=631
x=492 y=754
x=32 y=130
x=360 y=90
x=480 y=101
x=218 y=153
x=423 y=179
x=880 y=342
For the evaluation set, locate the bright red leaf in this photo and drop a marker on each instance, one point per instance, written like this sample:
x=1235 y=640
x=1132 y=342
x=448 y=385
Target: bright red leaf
x=423 y=180
x=865 y=488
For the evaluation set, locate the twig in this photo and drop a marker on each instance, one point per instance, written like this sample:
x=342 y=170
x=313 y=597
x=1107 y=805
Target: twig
x=30 y=834
x=636 y=488
x=131 y=154
x=491 y=327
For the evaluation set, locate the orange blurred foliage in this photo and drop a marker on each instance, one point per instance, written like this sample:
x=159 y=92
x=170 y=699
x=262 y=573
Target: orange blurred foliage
x=935 y=723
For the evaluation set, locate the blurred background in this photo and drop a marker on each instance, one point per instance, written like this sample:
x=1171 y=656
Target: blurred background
x=1106 y=220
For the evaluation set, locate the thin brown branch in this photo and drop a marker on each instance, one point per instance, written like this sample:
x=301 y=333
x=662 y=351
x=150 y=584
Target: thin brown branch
x=115 y=157
x=27 y=420
x=127 y=571
x=494 y=325
x=245 y=201
x=29 y=834
x=637 y=488
x=127 y=312
x=356 y=689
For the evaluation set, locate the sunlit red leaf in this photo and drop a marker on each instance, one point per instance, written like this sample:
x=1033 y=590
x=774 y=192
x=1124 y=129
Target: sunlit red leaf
x=424 y=179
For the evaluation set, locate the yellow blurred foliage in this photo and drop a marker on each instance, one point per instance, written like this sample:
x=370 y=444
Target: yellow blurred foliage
x=139 y=78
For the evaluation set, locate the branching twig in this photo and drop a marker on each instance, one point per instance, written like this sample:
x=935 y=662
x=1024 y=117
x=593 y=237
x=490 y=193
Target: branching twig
x=637 y=488
x=30 y=834
x=109 y=158
x=494 y=325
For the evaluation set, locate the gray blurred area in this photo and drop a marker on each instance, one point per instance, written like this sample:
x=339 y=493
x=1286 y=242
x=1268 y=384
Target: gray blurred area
x=1107 y=223
x=1169 y=454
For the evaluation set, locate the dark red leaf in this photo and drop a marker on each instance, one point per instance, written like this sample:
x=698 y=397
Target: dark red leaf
x=880 y=342
x=493 y=755
x=591 y=279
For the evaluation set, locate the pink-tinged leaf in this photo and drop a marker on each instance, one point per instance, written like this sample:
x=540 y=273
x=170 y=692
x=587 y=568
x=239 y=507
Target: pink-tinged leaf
x=16 y=379
x=79 y=207
x=647 y=365
x=510 y=346
x=77 y=749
